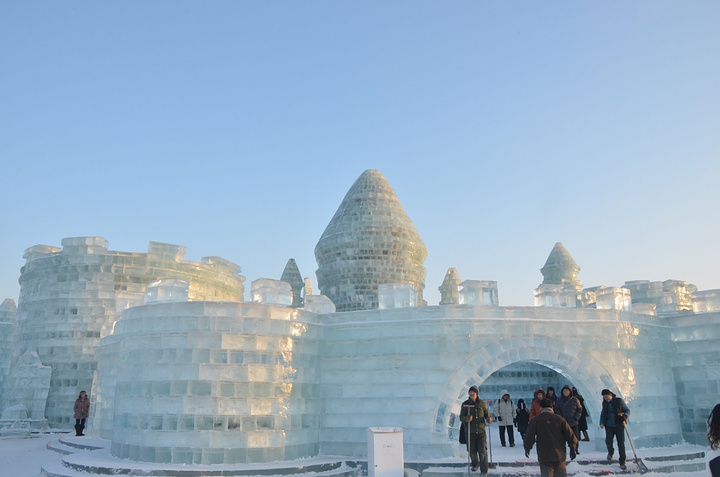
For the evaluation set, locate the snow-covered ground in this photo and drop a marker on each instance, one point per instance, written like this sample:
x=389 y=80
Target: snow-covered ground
x=23 y=457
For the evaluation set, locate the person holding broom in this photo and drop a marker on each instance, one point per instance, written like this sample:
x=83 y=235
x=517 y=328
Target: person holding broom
x=474 y=413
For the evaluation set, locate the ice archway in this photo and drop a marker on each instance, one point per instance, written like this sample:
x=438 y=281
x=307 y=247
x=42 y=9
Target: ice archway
x=585 y=372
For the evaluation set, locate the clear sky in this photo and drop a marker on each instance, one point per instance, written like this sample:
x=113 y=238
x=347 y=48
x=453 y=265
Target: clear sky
x=235 y=129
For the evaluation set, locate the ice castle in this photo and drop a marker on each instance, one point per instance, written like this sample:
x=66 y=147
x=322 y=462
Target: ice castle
x=182 y=370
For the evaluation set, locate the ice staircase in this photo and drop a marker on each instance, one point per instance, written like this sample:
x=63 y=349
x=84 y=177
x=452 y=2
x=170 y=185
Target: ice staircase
x=84 y=457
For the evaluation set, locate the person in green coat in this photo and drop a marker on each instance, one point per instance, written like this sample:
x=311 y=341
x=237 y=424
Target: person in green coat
x=474 y=413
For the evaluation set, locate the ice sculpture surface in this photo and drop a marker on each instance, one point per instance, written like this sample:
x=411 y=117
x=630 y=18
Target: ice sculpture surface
x=369 y=241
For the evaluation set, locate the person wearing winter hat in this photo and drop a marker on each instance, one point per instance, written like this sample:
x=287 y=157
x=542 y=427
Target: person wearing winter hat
x=504 y=411
x=612 y=418
x=474 y=413
x=569 y=407
x=551 y=432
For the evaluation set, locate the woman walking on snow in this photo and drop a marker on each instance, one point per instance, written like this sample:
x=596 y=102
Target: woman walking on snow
x=82 y=411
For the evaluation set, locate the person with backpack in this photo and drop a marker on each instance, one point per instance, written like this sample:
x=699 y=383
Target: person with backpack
x=504 y=411
x=612 y=418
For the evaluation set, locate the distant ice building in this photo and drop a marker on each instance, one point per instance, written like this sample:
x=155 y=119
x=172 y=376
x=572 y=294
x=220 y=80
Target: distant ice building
x=182 y=370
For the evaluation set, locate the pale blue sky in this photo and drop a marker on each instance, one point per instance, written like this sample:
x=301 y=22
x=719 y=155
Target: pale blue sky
x=235 y=129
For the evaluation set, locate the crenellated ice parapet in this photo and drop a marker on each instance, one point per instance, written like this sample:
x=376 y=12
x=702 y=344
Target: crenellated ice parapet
x=212 y=383
x=70 y=298
x=478 y=292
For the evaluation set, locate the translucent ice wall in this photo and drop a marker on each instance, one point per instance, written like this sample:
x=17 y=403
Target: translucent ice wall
x=214 y=383
x=70 y=297
x=8 y=322
x=411 y=368
x=696 y=367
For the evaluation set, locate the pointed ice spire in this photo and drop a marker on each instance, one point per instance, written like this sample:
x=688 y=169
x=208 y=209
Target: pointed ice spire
x=369 y=241
x=449 y=289
x=291 y=275
x=561 y=269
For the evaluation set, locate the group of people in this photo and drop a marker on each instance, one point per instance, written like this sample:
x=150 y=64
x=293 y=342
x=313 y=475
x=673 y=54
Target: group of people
x=551 y=422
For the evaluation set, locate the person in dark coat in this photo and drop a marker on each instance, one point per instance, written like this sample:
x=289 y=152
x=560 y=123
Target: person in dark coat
x=569 y=407
x=582 y=423
x=612 y=418
x=552 y=432
x=522 y=418
x=81 y=412
x=474 y=412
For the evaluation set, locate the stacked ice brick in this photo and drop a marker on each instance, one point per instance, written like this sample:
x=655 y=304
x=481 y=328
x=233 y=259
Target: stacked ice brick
x=670 y=296
x=214 y=383
x=70 y=298
x=369 y=241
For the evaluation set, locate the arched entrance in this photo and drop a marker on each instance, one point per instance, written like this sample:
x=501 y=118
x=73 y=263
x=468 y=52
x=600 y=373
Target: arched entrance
x=563 y=358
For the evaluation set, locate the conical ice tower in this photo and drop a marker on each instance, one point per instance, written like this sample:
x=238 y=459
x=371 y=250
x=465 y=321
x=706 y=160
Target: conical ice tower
x=561 y=269
x=369 y=241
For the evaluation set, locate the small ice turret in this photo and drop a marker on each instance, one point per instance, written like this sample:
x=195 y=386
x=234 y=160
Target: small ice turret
x=291 y=275
x=561 y=269
x=561 y=286
x=449 y=288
